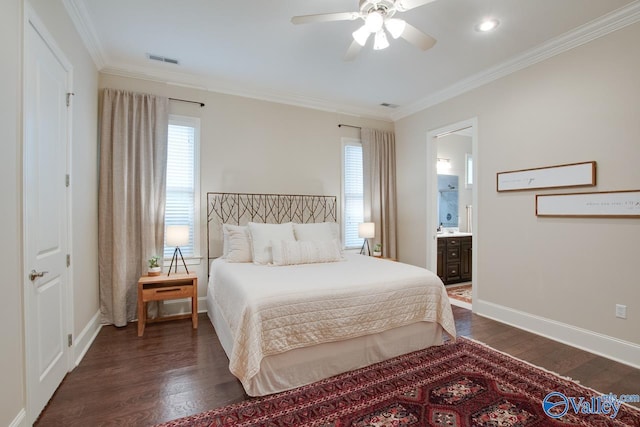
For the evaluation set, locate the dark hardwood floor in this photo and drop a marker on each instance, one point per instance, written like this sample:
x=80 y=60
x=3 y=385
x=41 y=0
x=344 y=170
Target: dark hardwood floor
x=174 y=371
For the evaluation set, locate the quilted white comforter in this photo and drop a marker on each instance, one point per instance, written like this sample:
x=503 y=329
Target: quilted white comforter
x=271 y=309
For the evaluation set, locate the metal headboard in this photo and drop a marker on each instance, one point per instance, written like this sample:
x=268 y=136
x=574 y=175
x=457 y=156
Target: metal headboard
x=242 y=208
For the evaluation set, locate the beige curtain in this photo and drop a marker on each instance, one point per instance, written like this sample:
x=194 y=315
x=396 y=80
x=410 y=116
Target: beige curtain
x=131 y=197
x=379 y=156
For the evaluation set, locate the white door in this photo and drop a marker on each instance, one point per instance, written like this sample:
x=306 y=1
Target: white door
x=46 y=299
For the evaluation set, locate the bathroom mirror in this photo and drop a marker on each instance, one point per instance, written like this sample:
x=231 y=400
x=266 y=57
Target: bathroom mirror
x=448 y=200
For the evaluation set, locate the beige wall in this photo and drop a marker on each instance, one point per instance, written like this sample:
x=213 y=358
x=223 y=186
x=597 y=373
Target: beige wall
x=256 y=146
x=581 y=105
x=12 y=396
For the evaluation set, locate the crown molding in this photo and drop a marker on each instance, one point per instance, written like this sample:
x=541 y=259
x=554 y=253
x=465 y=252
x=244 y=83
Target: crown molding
x=84 y=25
x=210 y=85
x=608 y=23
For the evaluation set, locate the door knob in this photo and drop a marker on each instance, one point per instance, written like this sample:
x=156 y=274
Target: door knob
x=35 y=274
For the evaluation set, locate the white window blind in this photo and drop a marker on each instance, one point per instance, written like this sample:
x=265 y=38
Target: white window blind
x=353 y=193
x=180 y=207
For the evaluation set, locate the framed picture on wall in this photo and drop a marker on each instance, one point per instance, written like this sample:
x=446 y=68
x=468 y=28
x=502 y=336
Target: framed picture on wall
x=560 y=176
x=603 y=204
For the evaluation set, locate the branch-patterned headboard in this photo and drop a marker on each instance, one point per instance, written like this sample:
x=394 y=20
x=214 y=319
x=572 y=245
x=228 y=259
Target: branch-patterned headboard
x=242 y=208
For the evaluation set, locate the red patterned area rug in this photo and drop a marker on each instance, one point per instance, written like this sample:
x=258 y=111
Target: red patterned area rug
x=460 y=383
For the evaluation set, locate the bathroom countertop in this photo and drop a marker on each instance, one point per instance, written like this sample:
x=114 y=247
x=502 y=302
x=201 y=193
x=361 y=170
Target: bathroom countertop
x=454 y=234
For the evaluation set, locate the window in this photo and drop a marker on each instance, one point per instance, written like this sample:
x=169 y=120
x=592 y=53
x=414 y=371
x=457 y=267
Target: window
x=183 y=172
x=468 y=172
x=352 y=192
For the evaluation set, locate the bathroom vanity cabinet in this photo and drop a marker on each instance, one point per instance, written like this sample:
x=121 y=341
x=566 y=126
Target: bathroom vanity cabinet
x=454 y=258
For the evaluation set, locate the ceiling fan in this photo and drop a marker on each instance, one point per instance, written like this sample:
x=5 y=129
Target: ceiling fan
x=377 y=15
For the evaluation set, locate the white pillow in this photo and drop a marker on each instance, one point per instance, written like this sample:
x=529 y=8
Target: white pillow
x=239 y=245
x=262 y=236
x=317 y=231
x=225 y=236
x=305 y=251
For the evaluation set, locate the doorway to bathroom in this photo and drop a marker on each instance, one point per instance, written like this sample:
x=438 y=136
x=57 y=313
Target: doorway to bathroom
x=452 y=170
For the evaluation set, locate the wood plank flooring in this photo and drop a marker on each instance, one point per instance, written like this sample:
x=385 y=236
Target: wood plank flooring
x=174 y=371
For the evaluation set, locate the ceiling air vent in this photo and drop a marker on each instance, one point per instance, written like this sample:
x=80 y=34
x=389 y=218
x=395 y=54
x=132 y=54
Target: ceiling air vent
x=162 y=59
x=386 y=104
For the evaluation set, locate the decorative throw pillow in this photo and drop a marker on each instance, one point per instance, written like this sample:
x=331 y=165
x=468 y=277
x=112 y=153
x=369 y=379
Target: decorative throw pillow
x=239 y=245
x=305 y=251
x=262 y=236
x=317 y=231
x=225 y=236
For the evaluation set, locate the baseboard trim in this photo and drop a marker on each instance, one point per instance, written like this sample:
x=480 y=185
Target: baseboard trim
x=183 y=306
x=202 y=304
x=459 y=303
x=20 y=420
x=612 y=348
x=85 y=338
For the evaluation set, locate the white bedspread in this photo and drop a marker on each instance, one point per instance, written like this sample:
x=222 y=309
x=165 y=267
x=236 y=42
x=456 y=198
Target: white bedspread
x=271 y=309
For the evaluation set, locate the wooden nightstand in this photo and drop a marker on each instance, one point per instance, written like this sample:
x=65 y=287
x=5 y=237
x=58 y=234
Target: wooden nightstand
x=163 y=287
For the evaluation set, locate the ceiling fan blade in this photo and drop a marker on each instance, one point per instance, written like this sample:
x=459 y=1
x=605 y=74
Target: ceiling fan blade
x=353 y=51
x=326 y=17
x=404 y=5
x=417 y=37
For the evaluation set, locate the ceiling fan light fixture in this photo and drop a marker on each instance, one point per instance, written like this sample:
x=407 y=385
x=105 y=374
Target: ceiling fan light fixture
x=381 y=41
x=361 y=35
x=374 y=21
x=395 y=27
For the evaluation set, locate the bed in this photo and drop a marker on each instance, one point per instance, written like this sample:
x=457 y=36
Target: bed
x=289 y=325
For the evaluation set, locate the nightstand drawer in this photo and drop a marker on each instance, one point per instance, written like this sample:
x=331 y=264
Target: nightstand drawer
x=161 y=293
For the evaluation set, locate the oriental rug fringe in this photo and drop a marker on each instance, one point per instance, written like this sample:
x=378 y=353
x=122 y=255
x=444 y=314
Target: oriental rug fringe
x=461 y=383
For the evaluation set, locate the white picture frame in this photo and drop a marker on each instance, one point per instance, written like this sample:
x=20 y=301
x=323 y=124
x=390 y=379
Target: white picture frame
x=603 y=204
x=560 y=176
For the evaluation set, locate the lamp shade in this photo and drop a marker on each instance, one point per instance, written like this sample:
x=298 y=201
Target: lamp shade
x=367 y=230
x=177 y=235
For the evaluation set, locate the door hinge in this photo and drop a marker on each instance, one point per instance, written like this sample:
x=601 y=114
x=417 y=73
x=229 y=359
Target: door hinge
x=69 y=340
x=68 y=260
x=67 y=180
x=69 y=94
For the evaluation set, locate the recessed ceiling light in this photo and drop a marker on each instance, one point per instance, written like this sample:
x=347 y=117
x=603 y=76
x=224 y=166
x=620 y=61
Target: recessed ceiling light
x=487 y=25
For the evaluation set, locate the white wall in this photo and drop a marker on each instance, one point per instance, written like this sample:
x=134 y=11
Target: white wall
x=254 y=146
x=568 y=273
x=12 y=393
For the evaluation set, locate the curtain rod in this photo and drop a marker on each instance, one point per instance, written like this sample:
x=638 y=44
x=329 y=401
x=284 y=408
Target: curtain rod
x=186 y=100
x=349 y=126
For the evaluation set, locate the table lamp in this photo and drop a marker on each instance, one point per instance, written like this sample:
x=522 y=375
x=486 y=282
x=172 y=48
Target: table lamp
x=366 y=230
x=177 y=235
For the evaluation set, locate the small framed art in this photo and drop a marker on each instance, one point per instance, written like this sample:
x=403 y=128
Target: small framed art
x=603 y=204
x=560 y=176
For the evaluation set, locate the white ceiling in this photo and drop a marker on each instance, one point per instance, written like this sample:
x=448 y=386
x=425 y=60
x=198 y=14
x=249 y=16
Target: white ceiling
x=250 y=47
